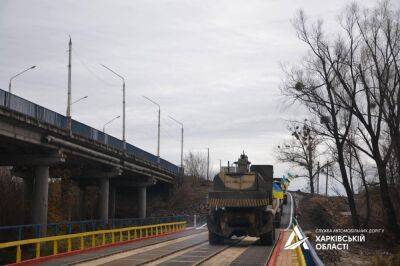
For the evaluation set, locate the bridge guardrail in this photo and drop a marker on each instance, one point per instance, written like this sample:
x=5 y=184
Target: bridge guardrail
x=83 y=241
x=306 y=256
x=20 y=232
x=42 y=114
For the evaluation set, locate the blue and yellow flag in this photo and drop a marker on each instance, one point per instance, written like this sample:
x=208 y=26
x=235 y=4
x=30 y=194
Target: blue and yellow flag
x=290 y=176
x=277 y=192
x=284 y=183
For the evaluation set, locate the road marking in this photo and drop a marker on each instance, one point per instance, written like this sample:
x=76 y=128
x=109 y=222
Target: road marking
x=202 y=226
x=136 y=251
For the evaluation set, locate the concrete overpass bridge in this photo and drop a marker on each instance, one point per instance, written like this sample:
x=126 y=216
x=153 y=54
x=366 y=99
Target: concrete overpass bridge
x=37 y=143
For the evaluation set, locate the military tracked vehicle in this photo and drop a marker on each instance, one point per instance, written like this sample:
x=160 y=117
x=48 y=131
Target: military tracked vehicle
x=241 y=203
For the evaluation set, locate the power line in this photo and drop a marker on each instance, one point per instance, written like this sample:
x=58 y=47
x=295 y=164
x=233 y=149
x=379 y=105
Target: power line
x=92 y=72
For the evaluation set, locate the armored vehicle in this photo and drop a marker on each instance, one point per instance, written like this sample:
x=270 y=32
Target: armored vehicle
x=241 y=203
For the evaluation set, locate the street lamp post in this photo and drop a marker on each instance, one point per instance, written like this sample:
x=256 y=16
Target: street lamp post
x=20 y=73
x=159 y=125
x=68 y=115
x=181 y=124
x=123 y=104
x=9 y=84
x=104 y=126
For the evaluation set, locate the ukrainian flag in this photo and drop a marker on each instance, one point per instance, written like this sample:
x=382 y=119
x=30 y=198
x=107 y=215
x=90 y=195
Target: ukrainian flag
x=290 y=176
x=277 y=192
x=285 y=183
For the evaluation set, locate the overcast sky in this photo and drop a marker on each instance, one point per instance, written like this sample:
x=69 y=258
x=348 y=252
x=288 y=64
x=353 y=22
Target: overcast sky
x=214 y=65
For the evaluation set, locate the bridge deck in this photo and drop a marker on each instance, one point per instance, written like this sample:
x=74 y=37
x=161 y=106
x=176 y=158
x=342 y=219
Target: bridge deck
x=35 y=117
x=286 y=257
x=118 y=249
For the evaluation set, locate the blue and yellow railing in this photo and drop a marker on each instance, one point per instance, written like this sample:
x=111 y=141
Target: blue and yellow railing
x=64 y=244
x=300 y=254
x=27 y=231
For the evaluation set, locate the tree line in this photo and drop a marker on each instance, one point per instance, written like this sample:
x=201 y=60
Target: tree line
x=349 y=83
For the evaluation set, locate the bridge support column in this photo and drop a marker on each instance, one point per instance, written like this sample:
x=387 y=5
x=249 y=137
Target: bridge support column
x=113 y=191
x=104 y=196
x=28 y=191
x=142 y=201
x=40 y=197
x=82 y=202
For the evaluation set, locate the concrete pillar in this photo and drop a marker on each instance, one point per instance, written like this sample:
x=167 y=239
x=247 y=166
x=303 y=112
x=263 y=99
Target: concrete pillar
x=40 y=197
x=28 y=191
x=112 y=201
x=82 y=202
x=104 y=196
x=142 y=201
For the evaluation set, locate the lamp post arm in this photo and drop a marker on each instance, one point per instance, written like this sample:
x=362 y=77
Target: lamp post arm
x=16 y=75
x=150 y=100
x=180 y=123
x=22 y=72
x=121 y=77
x=104 y=126
x=80 y=99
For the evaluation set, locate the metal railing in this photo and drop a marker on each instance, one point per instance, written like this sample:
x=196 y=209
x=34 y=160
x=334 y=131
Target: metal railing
x=20 y=232
x=88 y=240
x=44 y=115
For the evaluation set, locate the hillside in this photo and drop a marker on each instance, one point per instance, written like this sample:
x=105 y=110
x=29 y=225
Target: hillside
x=321 y=212
x=188 y=199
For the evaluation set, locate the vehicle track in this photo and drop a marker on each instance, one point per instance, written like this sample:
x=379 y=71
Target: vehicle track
x=160 y=260
x=117 y=257
x=154 y=260
x=196 y=251
x=219 y=251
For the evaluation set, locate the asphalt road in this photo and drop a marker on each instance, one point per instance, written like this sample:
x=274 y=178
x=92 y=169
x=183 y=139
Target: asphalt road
x=189 y=247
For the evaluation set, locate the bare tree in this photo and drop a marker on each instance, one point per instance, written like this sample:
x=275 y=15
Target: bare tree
x=11 y=189
x=301 y=151
x=365 y=69
x=359 y=72
x=313 y=84
x=195 y=164
x=360 y=170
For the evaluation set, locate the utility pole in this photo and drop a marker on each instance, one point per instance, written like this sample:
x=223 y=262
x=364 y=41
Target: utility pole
x=220 y=165
x=327 y=176
x=208 y=164
x=69 y=122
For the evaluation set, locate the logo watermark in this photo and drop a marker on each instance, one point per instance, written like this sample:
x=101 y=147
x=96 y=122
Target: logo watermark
x=339 y=239
x=296 y=232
